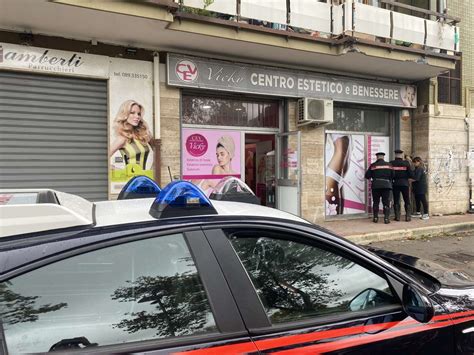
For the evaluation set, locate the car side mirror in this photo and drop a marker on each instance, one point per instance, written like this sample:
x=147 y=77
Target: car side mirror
x=417 y=305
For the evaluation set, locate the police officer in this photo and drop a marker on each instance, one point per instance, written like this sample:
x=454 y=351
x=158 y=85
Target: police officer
x=380 y=173
x=402 y=171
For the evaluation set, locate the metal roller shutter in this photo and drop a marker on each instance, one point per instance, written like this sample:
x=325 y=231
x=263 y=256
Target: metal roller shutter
x=53 y=134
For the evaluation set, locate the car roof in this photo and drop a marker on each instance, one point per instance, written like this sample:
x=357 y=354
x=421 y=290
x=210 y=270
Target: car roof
x=69 y=210
x=137 y=210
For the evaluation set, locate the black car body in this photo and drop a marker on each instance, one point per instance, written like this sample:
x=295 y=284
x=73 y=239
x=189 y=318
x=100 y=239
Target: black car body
x=220 y=285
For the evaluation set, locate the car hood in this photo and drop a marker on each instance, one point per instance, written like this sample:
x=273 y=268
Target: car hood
x=447 y=277
x=451 y=288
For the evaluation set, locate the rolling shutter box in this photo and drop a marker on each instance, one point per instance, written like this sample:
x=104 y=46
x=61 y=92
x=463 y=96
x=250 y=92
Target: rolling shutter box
x=53 y=134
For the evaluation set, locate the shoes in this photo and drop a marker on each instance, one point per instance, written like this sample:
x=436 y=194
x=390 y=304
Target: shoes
x=375 y=220
x=425 y=217
x=407 y=218
x=416 y=215
x=396 y=210
x=386 y=220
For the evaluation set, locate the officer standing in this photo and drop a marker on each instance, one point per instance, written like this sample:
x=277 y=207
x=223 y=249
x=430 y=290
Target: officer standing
x=402 y=171
x=381 y=174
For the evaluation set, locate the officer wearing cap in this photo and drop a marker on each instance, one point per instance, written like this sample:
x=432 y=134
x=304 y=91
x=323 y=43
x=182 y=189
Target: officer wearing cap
x=380 y=173
x=402 y=171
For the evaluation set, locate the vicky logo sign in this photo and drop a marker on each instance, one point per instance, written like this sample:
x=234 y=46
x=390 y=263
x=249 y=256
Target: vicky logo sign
x=186 y=70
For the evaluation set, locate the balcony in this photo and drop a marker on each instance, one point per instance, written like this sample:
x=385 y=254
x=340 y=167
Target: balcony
x=346 y=38
x=320 y=19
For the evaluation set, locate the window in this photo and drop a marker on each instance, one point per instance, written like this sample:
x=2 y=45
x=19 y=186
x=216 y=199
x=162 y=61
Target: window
x=449 y=86
x=297 y=281
x=355 y=119
x=142 y=290
x=217 y=111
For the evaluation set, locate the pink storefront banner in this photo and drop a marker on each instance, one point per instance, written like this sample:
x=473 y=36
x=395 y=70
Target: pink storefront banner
x=209 y=155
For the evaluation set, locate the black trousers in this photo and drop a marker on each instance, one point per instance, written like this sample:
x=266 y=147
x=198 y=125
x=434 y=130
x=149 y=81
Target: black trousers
x=420 y=199
x=376 y=195
x=405 y=191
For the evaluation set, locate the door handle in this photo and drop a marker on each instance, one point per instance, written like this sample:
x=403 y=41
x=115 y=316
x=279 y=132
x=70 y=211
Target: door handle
x=468 y=330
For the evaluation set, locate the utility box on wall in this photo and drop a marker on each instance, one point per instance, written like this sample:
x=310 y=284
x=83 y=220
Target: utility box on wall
x=314 y=111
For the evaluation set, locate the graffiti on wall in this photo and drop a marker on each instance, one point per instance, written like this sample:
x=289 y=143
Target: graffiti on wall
x=444 y=167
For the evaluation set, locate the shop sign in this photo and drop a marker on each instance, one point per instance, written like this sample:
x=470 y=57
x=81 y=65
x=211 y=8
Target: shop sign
x=43 y=60
x=208 y=155
x=131 y=88
x=195 y=72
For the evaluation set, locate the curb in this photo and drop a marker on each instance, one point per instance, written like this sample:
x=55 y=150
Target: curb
x=416 y=233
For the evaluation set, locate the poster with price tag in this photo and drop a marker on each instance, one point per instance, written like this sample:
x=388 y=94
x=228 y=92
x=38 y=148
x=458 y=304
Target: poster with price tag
x=130 y=121
x=209 y=155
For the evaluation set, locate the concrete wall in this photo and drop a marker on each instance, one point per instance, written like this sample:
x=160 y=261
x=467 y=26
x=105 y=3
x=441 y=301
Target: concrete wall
x=442 y=141
x=312 y=166
x=471 y=156
x=170 y=132
x=406 y=134
x=465 y=10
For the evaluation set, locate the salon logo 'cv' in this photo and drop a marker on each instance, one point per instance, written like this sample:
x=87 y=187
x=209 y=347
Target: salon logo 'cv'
x=186 y=70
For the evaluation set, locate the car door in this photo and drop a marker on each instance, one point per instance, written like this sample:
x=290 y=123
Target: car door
x=161 y=292
x=312 y=296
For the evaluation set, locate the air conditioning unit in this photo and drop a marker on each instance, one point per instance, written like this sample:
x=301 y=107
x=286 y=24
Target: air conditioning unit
x=314 y=111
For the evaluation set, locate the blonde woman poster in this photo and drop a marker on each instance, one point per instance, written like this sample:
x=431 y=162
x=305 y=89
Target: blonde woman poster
x=130 y=122
x=132 y=140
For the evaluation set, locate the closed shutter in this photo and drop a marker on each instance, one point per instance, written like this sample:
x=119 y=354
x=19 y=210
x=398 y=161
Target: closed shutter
x=53 y=134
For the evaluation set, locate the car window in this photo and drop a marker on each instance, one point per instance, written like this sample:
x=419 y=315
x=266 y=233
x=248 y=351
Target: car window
x=148 y=289
x=297 y=281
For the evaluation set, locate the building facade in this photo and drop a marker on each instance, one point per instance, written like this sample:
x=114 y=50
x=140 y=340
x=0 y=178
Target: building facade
x=292 y=97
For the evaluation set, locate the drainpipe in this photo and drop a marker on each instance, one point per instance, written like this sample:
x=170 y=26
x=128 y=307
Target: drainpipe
x=434 y=84
x=469 y=92
x=157 y=121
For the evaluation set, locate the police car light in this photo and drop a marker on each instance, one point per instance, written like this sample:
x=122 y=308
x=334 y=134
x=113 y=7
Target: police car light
x=181 y=198
x=231 y=188
x=139 y=187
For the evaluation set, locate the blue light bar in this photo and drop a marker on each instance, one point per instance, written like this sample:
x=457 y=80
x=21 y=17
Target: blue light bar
x=232 y=189
x=139 y=187
x=180 y=199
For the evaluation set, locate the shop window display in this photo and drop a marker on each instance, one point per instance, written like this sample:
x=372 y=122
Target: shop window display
x=217 y=111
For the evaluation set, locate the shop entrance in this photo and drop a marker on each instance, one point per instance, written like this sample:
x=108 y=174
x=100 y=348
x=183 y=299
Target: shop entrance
x=350 y=146
x=260 y=166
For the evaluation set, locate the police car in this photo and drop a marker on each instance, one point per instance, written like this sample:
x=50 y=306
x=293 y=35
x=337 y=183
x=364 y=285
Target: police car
x=180 y=273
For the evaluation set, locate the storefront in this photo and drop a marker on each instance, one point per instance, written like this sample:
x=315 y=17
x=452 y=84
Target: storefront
x=226 y=135
x=358 y=132
x=255 y=108
x=60 y=116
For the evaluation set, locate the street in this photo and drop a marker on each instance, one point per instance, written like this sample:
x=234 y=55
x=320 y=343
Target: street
x=454 y=252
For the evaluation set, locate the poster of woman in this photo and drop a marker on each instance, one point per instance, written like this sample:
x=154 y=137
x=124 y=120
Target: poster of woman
x=345 y=168
x=209 y=155
x=131 y=122
x=132 y=139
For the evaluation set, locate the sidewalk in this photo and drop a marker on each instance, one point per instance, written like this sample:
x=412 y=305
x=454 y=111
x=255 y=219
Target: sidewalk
x=364 y=231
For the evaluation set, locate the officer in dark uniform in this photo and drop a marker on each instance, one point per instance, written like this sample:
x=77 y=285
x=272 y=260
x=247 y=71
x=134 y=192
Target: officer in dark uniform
x=402 y=171
x=380 y=173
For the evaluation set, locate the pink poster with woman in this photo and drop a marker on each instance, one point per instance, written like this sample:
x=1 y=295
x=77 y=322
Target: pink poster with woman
x=209 y=155
x=345 y=167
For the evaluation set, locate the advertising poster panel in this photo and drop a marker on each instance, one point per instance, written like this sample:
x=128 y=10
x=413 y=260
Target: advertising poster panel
x=345 y=169
x=376 y=144
x=209 y=155
x=130 y=121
